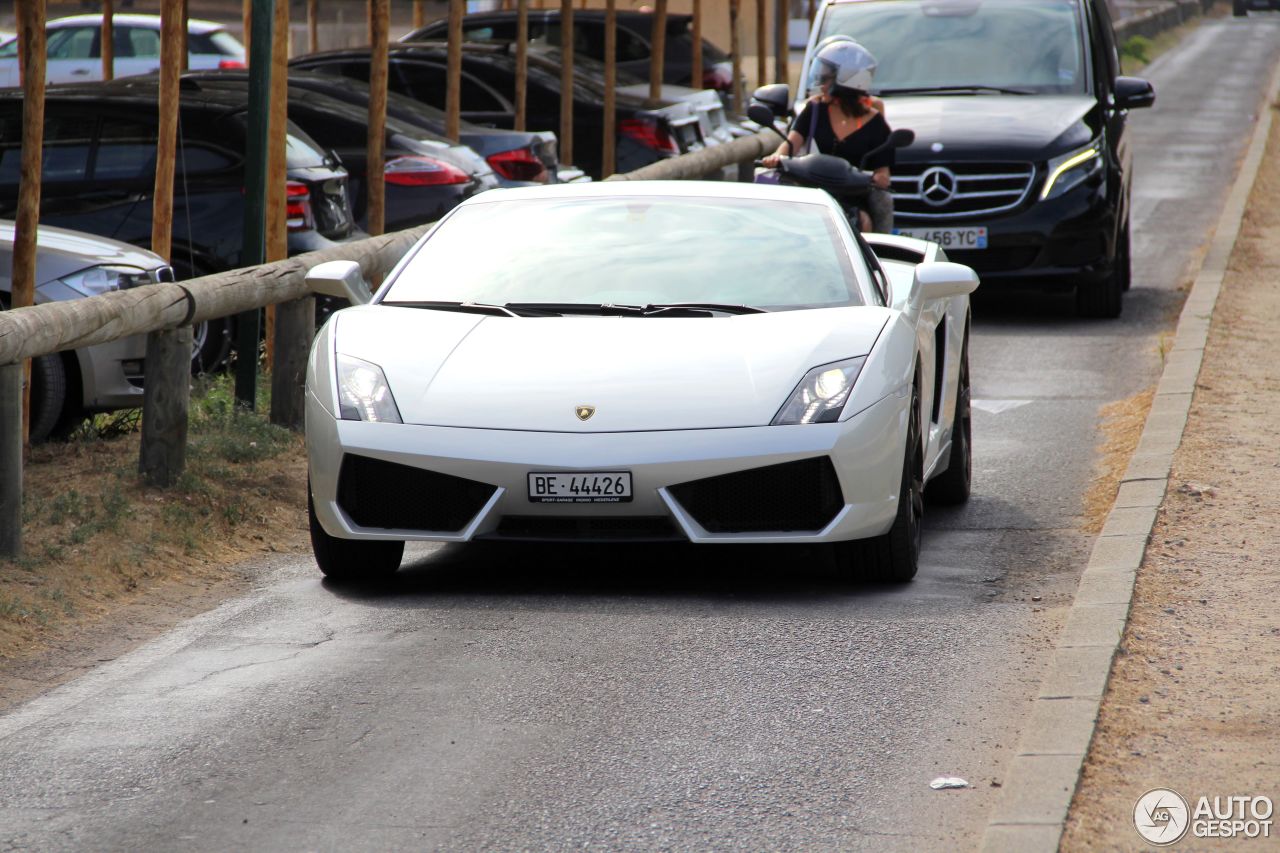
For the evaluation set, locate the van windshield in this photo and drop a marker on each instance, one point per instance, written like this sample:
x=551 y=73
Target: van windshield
x=965 y=46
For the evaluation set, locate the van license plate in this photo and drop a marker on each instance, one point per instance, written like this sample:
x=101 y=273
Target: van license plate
x=949 y=238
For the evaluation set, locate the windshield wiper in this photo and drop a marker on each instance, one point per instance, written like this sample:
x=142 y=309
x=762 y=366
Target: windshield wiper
x=954 y=90
x=651 y=309
x=510 y=310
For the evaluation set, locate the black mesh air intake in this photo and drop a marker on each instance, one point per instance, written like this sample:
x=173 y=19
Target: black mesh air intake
x=375 y=493
x=796 y=496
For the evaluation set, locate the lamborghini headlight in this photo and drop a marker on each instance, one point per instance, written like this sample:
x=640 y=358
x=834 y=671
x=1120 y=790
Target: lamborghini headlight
x=96 y=281
x=1069 y=170
x=821 y=395
x=363 y=392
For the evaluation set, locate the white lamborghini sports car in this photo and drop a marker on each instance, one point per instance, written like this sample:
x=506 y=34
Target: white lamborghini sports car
x=650 y=361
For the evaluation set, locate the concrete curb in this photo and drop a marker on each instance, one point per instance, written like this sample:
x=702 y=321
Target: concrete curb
x=1032 y=809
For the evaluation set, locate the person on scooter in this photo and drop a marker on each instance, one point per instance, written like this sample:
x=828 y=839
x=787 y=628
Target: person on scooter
x=843 y=119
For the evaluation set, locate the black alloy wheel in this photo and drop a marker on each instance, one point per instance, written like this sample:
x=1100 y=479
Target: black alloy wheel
x=351 y=560
x=954 y=485
x=1101 y=298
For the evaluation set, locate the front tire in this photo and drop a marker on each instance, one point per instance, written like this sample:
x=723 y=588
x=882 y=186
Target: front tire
x=1102 y=299
x=895 y=556
x=351 y=560
x=953 y=485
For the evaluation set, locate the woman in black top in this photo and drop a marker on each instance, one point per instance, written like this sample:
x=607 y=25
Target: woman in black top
x=845 y=121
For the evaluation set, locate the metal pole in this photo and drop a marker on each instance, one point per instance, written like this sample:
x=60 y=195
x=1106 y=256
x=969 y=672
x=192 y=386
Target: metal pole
x=522 y=61
x=253 y=249
x=566 y=81
x=376 y=145
x=453 y=72
x=658 y=57
x=609 y=156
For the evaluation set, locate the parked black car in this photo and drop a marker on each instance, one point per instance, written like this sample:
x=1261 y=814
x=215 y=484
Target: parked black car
x=634 y=42
x=645 y=134
x=99 y=177
x=517 y=157
x=1021 y=165
x=425 y=176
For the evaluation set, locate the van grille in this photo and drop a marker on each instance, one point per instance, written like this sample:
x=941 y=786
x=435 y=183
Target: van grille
x=939 y=191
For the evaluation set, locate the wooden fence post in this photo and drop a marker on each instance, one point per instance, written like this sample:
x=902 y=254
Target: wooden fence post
x=276 y=233
x=522 y=61
x=453 y=71
x=31 y=36
x=166 y=402
x=295 y=329
x=11 y=421
x=608 y=157
x=313 y=25
x=419 y=14
x=762 y=42
x=166 y=393
x=696 y=73
x=735 y=49
x=658 y=54
x=782 y=12
x=379 y=33
x=108 y=50
x=566 y=81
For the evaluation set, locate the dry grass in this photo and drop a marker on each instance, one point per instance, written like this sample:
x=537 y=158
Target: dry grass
x=96 y=536
x=1122 y=423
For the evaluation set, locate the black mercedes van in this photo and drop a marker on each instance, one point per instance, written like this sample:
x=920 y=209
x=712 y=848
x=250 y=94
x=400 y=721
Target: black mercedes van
x=1021 y=167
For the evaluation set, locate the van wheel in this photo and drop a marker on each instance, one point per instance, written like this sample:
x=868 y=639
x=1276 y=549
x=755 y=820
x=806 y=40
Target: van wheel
x=1101 y=298
x=210 y=345
x=48 y=396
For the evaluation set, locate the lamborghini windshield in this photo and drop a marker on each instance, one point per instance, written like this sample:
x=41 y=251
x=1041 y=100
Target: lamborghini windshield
x=968 y=46
x=640 y=251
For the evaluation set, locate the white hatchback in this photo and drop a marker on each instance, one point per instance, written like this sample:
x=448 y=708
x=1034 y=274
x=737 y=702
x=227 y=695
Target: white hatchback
x=75 y=48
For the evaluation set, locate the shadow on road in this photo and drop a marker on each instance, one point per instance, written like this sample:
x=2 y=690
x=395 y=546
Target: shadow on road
x=748 y=573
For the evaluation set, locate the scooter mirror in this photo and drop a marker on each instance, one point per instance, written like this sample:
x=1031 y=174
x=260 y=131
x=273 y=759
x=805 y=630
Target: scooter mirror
x=775 y=96
x=760 y=114
x=902 y=137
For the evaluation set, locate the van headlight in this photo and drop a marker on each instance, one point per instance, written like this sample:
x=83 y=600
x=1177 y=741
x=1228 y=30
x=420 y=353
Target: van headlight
x=1071 y=169
x=821 y=395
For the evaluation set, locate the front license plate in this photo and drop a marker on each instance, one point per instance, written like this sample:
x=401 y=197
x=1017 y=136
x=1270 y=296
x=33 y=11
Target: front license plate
x=580 y=487
x=949 y=238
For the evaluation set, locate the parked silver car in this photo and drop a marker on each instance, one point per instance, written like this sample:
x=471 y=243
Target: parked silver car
x=75 y=48
x=67 y=386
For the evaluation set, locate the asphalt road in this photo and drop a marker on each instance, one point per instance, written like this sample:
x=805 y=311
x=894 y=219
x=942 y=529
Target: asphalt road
x=665 y=698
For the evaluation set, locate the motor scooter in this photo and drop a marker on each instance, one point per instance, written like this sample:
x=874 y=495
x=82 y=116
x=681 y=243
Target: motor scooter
x=850 y=186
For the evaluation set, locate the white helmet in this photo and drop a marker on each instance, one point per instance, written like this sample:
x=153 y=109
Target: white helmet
x=842 y=61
